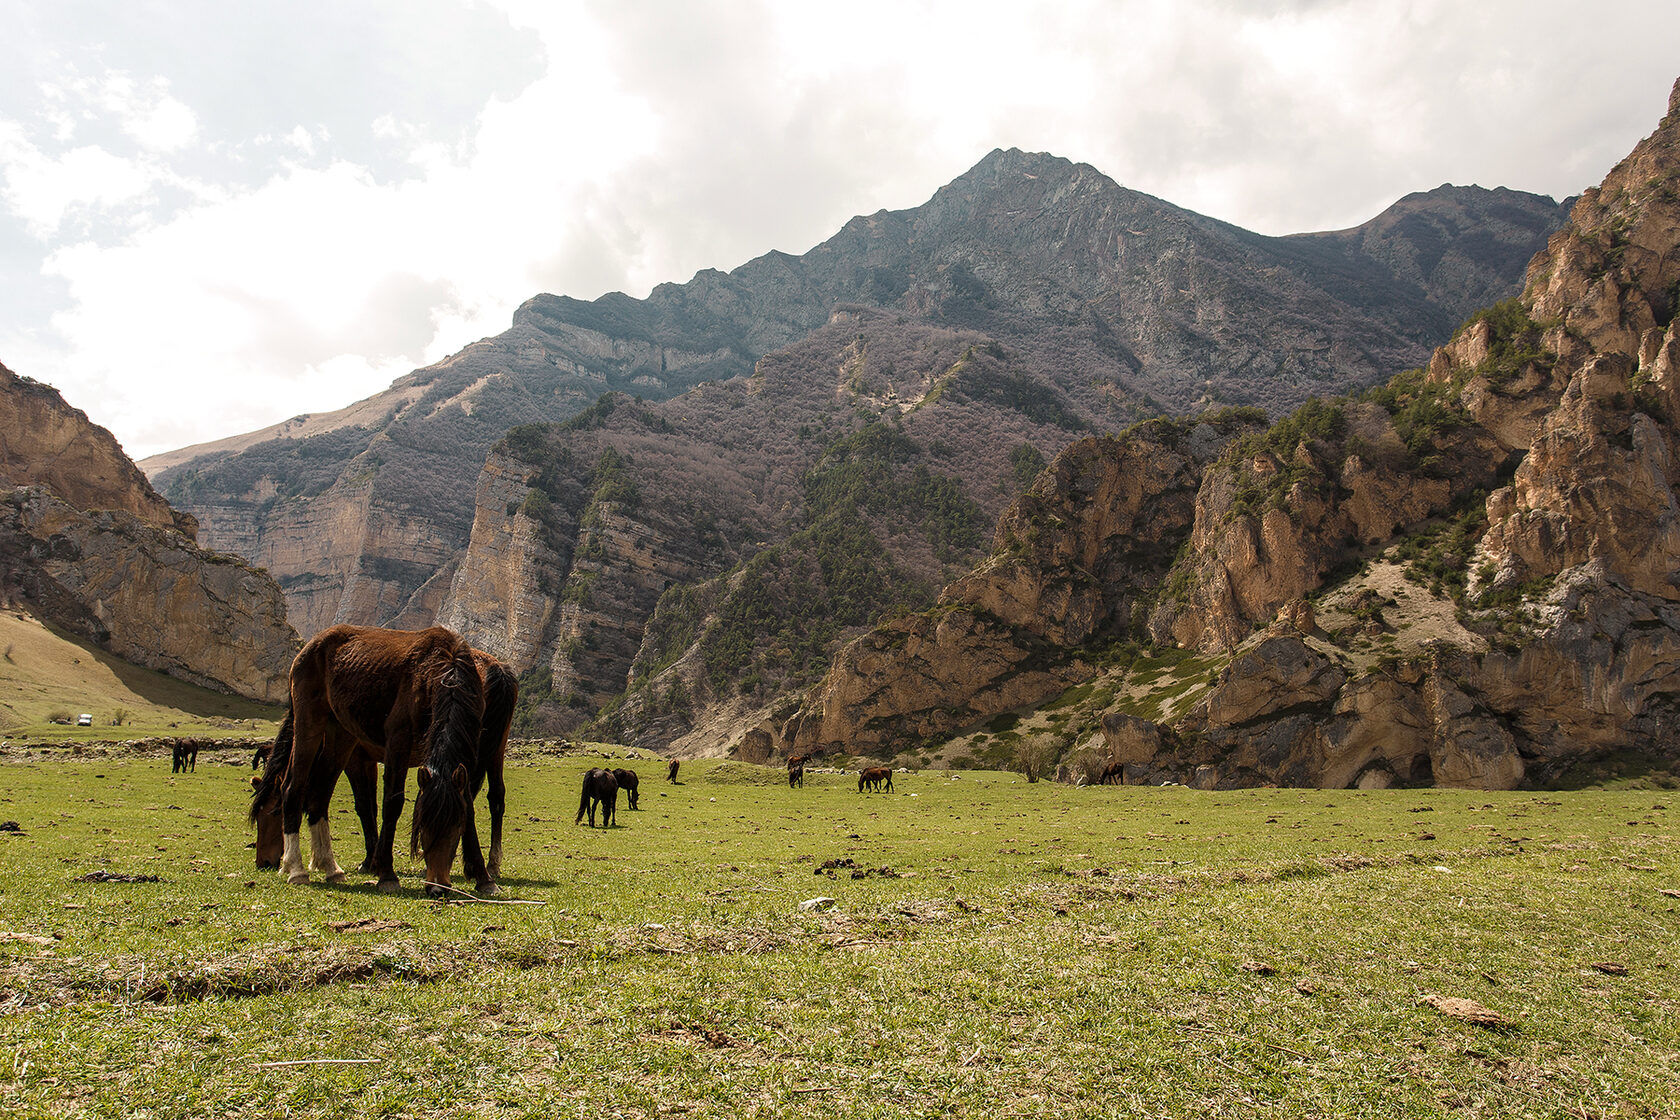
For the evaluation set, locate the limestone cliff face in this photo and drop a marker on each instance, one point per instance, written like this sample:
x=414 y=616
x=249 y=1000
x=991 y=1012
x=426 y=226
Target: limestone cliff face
x=45 y=442
x=87 y=544
x=148 y=595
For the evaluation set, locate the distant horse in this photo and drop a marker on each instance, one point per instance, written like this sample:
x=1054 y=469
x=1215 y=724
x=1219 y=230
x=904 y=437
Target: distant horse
x=796 y=769
x=876 y=778
x=600 y=787
x=671 y=772
x=628 y=782
x=414 y=696
x=359 y=762
x=183 y=756
x=1113 y=774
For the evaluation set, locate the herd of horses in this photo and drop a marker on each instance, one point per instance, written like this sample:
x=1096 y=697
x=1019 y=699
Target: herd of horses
x=364 y=697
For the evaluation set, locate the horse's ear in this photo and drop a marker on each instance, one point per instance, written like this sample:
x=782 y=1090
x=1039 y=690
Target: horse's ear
x=255 y=782
x=423 y=776
x=460 y=778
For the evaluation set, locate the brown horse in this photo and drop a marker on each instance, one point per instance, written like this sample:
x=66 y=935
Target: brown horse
x=360 y=765
x=413 y=695
x=796 y=769
x=1113 y=774
x=630 y=784
x=671 y=772
x=876 y=778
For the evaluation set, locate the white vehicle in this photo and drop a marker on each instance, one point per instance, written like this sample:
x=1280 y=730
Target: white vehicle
x=84 y=720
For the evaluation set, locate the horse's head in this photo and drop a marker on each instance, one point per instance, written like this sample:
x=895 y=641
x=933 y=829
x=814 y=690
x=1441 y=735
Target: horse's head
x=440 y=817
x=270 y=844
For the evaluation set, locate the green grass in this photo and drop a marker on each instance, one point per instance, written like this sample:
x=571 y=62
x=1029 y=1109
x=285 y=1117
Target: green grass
x=1037 y=950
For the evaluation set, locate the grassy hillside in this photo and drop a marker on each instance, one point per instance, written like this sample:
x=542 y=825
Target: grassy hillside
x=46 y=673
x=993 y=948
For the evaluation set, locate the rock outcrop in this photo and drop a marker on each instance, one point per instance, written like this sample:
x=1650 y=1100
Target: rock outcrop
x=88 y=545
x=1072 y=559
x=45 y=442
x=149 y=595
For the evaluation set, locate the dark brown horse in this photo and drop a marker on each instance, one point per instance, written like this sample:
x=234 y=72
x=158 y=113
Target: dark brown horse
x=359 y=763
x=414 y=696
x=1113 y=774
x=671 y=772
x=796 y=769
x=629 y=783
x=876 y=778
x=600 y=787
x=183 y=756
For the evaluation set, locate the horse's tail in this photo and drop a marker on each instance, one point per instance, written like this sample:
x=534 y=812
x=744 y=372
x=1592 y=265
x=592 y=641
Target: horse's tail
x=267 y=787
x=583 y=801
x=457 y=720
x=501 y=694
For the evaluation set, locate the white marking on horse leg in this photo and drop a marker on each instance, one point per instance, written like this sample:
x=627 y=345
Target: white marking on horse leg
x=494 y=866
x=321 y=852
x=291 y=859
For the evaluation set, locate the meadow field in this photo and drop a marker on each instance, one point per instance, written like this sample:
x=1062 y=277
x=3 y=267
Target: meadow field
x=993 y=948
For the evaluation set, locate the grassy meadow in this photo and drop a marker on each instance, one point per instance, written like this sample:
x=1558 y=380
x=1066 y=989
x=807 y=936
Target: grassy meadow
x=994 y=948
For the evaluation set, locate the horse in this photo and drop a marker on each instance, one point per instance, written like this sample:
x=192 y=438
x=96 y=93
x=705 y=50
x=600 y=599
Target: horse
x=671 y=772
x=183 y=755
x=796 y=769
x=628 y=782
x=1113 y=774
x=600 y=787
x=359 y=762
x=416 y=697
x=876 y=778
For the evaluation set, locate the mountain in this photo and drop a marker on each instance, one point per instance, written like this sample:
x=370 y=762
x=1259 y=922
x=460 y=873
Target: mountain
x=87 y=545
x=1469 y=575
x=1138 y=306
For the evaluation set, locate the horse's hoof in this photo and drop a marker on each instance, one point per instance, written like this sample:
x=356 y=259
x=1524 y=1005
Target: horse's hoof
x=487 y=889
x=298 y=877
x=338 y=877
x=389 y=886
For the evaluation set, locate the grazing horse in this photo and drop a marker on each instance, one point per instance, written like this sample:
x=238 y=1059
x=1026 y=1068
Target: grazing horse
x=183 y=755
x=671 y=772
x=796 y=769
x=360 y=764
x=600 y=787
x=628 y=782
x=1113 y=774
x=414 y=696
x=876 y=778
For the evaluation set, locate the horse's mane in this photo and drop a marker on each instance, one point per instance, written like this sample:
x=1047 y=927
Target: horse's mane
x=267 y=788
x=457 y=718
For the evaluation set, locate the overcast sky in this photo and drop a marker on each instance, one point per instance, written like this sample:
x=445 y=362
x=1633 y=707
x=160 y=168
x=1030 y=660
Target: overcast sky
x=216 y=215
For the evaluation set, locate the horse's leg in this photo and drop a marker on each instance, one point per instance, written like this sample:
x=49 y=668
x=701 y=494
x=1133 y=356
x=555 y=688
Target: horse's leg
x=323 y=778
x=396 y=789
x=363 y=773
x=498 y=805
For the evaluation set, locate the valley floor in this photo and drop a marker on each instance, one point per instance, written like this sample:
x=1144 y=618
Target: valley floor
x=993 y=948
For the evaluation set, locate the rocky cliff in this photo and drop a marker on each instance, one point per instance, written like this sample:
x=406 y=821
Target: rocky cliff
x=1464 y=577
x=149 y=595
x=1129 y=305
x=45 y=442
x=86 y=544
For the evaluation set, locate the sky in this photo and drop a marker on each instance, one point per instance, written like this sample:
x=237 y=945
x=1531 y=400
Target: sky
x=215 y=216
